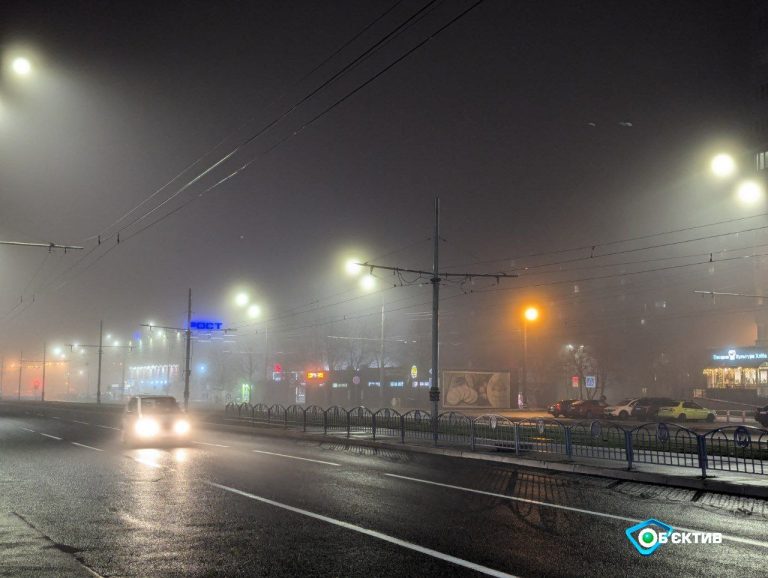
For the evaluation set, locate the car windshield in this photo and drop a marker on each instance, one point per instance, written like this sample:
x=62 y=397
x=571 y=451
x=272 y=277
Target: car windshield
x=159 y=405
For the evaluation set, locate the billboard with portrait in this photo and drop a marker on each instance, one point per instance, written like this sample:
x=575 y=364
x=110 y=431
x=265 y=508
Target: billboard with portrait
x=476 y=389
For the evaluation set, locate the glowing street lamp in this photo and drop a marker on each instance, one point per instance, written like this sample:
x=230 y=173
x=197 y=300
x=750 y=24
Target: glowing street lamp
x=368 y=282
x=749 y=192
x=21 y=66
x=253 y=311
x=722 y=165
x=531 y=314
x=353 y=267
x=242 y=299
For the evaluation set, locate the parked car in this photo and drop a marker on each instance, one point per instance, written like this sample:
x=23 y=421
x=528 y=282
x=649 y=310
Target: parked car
x=561 y=407
x=648 y=407
x=148 y=419
x=761 y=416
x=685 y=410
x=623 y=409
x=587 y=408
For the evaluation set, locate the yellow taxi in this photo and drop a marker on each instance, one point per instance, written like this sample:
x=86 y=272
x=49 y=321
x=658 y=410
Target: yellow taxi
x=685 y=410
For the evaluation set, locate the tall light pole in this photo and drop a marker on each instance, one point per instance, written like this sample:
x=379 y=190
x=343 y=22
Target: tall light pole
x=100 y=348
x=21 y=368
x=42 y=390
x=529 y=315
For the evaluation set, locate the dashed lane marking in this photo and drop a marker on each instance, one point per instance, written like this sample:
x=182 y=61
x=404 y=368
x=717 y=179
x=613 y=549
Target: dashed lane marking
x=209 y=444
x=372 y=533
x=295 y=458
x=86 y=447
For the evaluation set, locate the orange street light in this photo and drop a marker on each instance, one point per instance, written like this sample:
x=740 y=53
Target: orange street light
x=531 y=314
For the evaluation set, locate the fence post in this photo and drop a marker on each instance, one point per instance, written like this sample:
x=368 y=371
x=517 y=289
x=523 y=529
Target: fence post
x=701 y=446
x=727 y=416
x=304 y=419
x=325 y=422
x=517 y=439
x=472 y=434
x=348 y=424
x=269 y=414
x=628 y=448
x=373 y=425
x=743 y=416
x=285 y=418
x=402 y=429
x=568 y=442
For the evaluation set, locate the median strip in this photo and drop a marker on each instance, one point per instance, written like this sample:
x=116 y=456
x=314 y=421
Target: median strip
x=372 y=533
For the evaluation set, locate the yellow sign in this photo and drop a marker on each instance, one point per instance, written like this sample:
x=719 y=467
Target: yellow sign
x=414 y=372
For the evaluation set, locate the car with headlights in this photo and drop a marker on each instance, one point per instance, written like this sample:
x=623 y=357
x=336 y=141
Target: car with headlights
x=561 y=407
x=685 y=410
x=152 y=419
x=623 y=409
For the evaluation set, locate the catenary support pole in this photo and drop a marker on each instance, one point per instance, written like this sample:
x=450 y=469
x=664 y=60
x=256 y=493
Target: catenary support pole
x=434 y=390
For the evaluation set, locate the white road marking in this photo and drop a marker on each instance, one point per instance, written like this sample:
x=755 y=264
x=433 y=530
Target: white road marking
x=50 y=436
x=207 y=444
x=87 y=447
x=108 y=427
x=27 y=429
x=372 y=533
x=295 y=458
x=82 y=422
x=55 y=417
x=572 y=509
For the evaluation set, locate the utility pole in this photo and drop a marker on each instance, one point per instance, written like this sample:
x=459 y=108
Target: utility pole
x=436 y=277
x=188 y=355
x=21 y=367
x=434 y=389
x=100 y=347
x=381 y=349
x=101 y=353
x=42 y=391
x=188 y=351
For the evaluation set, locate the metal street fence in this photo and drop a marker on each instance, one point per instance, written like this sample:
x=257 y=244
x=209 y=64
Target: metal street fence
x=733 y=448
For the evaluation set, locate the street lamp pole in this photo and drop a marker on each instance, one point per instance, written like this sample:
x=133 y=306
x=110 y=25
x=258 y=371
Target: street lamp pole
x=524 y=384
x=188 y=352
x=42 y=391
x=21 y=367
x=101 y=353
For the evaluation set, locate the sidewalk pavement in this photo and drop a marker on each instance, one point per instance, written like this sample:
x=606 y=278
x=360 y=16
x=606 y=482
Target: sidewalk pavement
x=738 y=483
x=25 y=552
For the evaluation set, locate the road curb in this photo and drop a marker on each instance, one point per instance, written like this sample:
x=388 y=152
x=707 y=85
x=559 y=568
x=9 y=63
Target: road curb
x=693 y=483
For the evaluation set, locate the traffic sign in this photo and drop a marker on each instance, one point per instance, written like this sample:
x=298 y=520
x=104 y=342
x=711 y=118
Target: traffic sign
x=575 y=382
x=591 y=382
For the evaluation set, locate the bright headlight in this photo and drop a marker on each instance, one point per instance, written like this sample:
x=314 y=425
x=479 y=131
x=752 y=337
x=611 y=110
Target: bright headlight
x=181 y=426
x=147 y=427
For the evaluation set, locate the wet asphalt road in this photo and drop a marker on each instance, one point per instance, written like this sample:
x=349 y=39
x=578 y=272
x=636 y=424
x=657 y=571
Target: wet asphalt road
x=229 y=505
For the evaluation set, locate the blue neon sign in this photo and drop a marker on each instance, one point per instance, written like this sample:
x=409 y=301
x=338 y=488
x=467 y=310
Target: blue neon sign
x=206 y=325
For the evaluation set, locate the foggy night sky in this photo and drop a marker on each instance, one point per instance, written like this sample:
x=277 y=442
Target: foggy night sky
x=492 y=115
